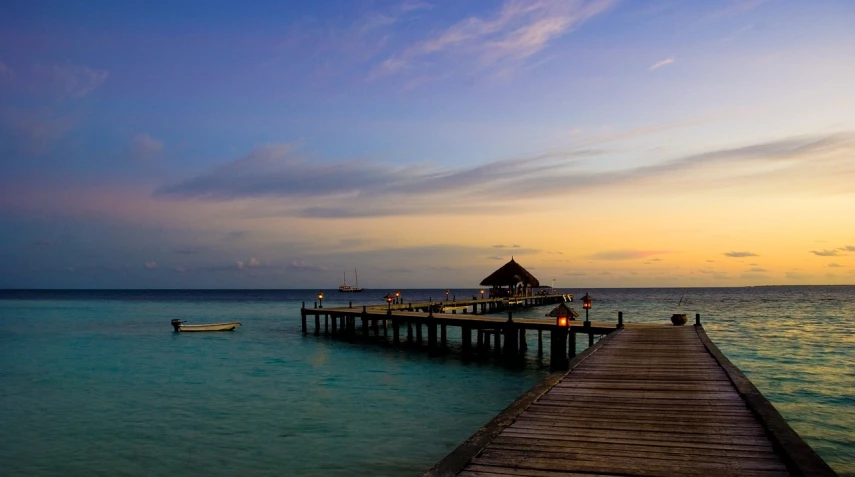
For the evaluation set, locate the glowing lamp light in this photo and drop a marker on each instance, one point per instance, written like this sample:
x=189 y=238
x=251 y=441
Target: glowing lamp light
x=321 y=298
x=482 y=294
x=389 y=301
x=586 y=304
x=563 y=321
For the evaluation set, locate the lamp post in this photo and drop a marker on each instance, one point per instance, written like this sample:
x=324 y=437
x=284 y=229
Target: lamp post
x=446 y=294
x=586 y=304
x=321 y=299
x=397 y=296
x=389 y=302
x=482 y=294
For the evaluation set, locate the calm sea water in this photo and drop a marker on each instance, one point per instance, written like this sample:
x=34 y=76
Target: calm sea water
x=96 y=382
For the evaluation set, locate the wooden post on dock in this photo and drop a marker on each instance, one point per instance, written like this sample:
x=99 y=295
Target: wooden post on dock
x=557 y=345
x=327 y=324
x=431 y=331
x=466 y=336
x=497 y=337
x=317 y=324
x=540 y=342
x=303 y=318
x=523 y=343
x=442 y=336
x=620 y=319
x=572 y=339
x=396 y=332
x=364 y=317
x=409 y=331
x=587 y=326
x=697 y=319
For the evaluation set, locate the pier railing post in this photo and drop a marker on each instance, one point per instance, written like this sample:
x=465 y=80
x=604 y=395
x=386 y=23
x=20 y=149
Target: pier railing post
x=697 y=319
x=303 y=318
x=620 y=319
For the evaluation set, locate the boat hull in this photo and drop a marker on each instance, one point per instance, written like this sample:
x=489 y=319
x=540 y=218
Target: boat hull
x=185 y=328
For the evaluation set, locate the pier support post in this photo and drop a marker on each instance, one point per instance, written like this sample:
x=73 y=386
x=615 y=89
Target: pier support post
x=523 y=343
x=697 y=319
x=303 y=318
x=396 y=332
x=466 y=336
x=327 y=324
x=620 y=319
x=409 y=331
x=431 y=331
x=442 y=336
x=317 y=324
x=511 y=339
x=480 y=340
x=540 y=342
x=572 y=339
x=419 y=330
x=558 y=343
x=333 y=328
x=497 y=337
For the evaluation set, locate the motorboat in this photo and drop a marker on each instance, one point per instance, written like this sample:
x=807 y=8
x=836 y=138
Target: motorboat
x=184 y=327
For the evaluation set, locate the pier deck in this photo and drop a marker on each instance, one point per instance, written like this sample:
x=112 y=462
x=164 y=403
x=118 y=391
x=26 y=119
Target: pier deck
x=655 y=400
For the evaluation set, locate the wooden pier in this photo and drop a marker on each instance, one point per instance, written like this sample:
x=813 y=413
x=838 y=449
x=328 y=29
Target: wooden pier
x=504 y=335
x=646 y=401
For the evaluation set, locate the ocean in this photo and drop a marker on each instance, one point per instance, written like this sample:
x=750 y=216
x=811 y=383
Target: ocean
x=97 y=383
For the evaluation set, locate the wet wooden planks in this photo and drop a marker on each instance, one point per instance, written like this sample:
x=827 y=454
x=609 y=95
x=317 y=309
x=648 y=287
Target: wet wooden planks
x=649 y=402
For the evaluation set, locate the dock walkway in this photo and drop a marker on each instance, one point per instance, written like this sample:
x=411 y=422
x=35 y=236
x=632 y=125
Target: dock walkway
x=644 y=401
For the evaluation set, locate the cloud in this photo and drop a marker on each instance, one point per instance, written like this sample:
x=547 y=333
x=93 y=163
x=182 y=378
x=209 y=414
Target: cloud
x=66 y=81
x=180 y=269
x=625 y=254
x=44 y=243
x=506 y=246
x=740 y=254
x=144 y=146
x=150 y=265
x=502 y=41
x=35 y=130
x=757 y=269
x=834 y=265
x=251 y=263
x=660 y=64
x=301 y=266
x=313 y=187
x=847 y=248
x=496 y=257
x=797 y=275
x=826 y=253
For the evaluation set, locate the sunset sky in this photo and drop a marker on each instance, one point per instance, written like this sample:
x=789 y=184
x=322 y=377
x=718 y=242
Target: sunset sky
x=602 y=143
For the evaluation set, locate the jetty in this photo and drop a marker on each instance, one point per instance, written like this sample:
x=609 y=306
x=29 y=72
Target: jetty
x=646 y=399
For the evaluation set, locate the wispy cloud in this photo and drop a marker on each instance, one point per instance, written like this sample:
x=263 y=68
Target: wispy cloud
x=312 y=187
x=847 y=248
x=60 y=81
x=144 y=146
x=740 y=254
x=826 y=253
x=301 y=266
x=506 y=246
x=506 y=39
x=44 y=243
x=834 y=265
x=150 y=265
x=757 y=269
x=625 y=254
x=660 y=64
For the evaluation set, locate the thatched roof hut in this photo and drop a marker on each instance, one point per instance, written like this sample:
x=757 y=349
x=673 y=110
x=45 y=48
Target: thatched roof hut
x=511 y=279
x=563 y=310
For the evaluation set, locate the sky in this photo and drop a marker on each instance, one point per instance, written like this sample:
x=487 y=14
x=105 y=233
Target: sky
x=600 y=143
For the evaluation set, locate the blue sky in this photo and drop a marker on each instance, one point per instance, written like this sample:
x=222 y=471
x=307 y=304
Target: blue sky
x=275 y=144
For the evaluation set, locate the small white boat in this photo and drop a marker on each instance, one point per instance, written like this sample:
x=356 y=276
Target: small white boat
x=345 y=288
x=181 y=326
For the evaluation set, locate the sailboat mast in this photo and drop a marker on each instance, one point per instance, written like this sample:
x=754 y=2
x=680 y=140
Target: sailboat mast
x=357 y=278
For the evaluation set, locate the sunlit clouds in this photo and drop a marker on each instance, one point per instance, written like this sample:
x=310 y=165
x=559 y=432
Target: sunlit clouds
x=598 y=142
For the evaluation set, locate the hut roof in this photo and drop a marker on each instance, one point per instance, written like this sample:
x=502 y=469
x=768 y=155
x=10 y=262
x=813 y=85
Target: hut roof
x=511 y=273
x=563 y=310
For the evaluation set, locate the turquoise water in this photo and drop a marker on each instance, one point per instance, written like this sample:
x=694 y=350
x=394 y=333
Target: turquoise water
x=96 y=383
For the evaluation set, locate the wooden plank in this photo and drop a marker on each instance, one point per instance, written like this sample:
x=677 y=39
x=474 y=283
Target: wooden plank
x=649 y=401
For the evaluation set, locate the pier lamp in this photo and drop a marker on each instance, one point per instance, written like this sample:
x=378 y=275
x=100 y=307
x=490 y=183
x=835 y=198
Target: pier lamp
x=389 y=302
x=321 y=298
x=586 y=304
x=482 y=293
x=446 y=294
x=397 y=296
x=563 y=321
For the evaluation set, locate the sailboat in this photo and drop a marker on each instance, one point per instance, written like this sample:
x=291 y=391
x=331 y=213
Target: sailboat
x=344 y=287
